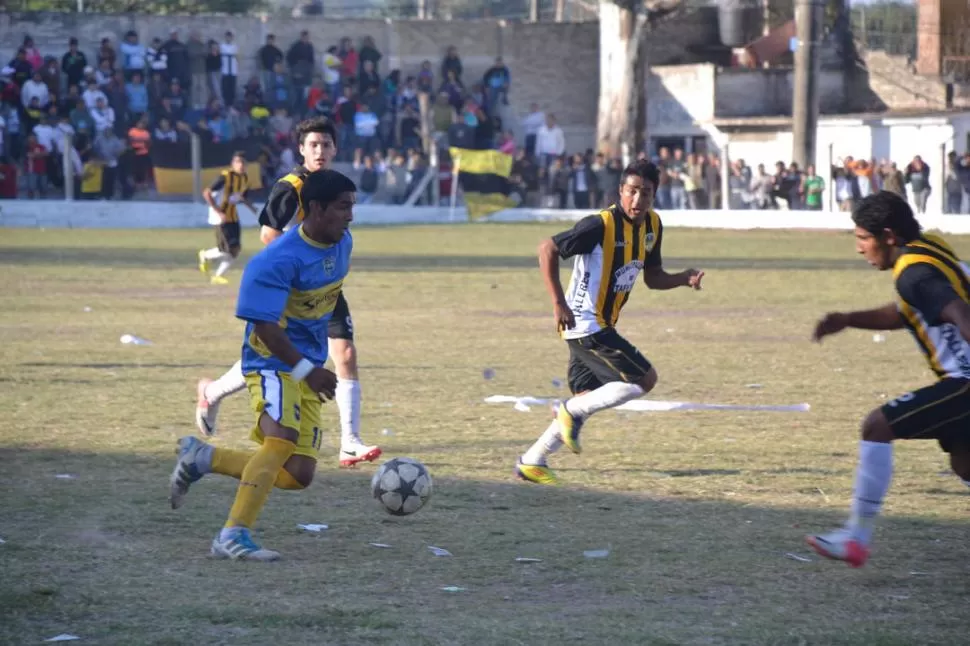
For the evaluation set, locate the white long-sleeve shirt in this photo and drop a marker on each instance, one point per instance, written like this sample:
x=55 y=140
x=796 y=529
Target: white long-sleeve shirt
x=33 y=89
x=550 y=141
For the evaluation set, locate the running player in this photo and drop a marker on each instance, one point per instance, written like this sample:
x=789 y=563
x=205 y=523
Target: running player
x=317 y=141
x=933 y=303
x=223 y=197
x=610 y=250
x=287 y=298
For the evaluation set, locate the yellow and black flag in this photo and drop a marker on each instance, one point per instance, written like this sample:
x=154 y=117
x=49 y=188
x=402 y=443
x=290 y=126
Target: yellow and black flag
x=484 y=178
x=172 y=163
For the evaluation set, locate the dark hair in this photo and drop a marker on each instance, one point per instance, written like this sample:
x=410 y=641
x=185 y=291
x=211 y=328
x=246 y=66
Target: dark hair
x=644 y=169
x=325 y=186
x=886 y=210
x=322 y=125
x=239 y=153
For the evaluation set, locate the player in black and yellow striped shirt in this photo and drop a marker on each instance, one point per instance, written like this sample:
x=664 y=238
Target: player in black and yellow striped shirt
x=933 y=303
x=610 y=250
x=224 y=196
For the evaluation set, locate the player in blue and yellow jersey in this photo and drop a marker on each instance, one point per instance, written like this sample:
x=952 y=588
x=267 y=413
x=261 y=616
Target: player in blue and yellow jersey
x=287 y=299
x=933 y=303
x=610 y=250
x=317 y=138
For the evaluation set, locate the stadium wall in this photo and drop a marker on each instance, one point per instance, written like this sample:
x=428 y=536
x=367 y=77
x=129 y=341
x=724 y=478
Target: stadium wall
x=56 y=214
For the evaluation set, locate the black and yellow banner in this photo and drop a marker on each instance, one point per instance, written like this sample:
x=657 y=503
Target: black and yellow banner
x=173 y=164
x=484 y=178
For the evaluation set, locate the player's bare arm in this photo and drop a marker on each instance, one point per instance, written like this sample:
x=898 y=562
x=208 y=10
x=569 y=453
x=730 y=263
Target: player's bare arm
x=886 y=317
x=549 y=266
x=957 y=312
x=319 y=379
x=207 y=196
x=657 y=278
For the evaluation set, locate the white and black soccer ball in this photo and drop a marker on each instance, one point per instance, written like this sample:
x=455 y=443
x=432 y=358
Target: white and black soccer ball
x=402 y=486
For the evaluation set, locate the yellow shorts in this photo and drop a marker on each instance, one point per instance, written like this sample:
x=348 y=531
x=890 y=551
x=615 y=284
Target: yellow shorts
x=291 y=404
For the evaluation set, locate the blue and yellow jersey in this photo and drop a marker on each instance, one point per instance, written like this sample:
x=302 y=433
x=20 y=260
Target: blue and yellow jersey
x=294 y=282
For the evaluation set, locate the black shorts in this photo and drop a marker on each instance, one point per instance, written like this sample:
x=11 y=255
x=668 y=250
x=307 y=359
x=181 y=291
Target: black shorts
x=341 y=326
x=603 y=357
x=939 y=412
x=228 y=236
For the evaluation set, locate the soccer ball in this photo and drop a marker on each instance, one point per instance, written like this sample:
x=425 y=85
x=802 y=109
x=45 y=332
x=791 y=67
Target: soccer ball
x=402 y=486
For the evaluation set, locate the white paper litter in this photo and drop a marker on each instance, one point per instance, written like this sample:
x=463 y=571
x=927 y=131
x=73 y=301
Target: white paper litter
x=314 y=527
x=63 y=637
x=387 y=432
x=2 y=541
x=130 y=339
x=754 y=386
x=439 y=551
x=65 y=476
x=522 y=408
x=651 y=405
x=452 y=588
x=796 y=557
x=525 y=559
x=87 y=309
x=596 y=554
x=381 y=545
x=878 y=338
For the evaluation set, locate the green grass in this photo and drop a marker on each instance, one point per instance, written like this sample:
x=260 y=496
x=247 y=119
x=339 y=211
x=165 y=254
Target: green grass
x=697 y=508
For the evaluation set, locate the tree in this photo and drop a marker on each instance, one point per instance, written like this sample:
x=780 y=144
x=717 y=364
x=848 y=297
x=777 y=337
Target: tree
x=624 y=25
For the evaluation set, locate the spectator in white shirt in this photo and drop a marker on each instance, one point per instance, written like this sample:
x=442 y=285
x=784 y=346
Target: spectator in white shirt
x=62 y=129
x=91 y=97
x=165 y=132
x=550 y=142
x=103 y=115
x=230 y=69
x=157 y=58
x=35 y=87
x=530 y=125
x=45 y=134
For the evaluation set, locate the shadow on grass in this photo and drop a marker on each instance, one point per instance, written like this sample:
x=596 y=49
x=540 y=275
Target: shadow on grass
x=101 y=555
x=156 y=258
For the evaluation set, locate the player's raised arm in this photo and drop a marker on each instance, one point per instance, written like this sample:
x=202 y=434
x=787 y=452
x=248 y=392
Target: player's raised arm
x=655 y=277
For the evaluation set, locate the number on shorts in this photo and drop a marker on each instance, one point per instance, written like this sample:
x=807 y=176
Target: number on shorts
x=317 y=438
x=902 y=399
x=296 y=412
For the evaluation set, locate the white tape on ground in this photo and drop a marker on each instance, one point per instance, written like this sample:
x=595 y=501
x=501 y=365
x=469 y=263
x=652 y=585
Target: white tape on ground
x=651 y=405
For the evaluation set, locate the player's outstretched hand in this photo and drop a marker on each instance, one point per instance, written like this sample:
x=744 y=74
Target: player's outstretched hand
x=564 y=317
x=831 y=323
x=694 y=277
x=323 y=382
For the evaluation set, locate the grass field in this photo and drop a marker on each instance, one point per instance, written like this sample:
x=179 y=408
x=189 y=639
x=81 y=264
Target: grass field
x=698 y=509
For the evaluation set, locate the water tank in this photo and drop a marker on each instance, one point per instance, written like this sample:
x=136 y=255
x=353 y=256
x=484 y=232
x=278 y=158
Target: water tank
x=739 y=21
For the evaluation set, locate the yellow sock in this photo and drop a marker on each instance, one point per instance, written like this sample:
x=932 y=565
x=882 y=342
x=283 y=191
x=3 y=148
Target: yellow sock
x=229 y=462
x=257 y=480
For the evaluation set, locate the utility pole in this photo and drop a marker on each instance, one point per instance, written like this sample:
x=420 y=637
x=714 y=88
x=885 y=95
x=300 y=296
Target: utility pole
x=809 y=15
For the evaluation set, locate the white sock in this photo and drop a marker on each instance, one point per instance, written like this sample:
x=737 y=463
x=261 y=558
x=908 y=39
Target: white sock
x=212 y=254
x=231 y=382
x=547 y=444
x=606 y=396
x=872 y=477
x=224 y=264
x=348 y=406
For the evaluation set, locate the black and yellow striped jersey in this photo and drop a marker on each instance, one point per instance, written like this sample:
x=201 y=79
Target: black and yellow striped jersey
x=228 y=190
x=609 y=251
x=284 y=206
x=929 y=276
